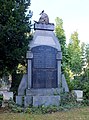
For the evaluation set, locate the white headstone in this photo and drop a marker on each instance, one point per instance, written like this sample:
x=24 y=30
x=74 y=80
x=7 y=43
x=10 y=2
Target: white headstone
x=79 y=94
x=7 y=95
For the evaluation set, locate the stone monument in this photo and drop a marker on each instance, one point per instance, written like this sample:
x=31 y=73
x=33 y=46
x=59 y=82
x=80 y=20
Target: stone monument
x=43 y=82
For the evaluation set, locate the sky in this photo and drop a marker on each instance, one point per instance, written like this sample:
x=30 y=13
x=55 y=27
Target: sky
x=74 y=13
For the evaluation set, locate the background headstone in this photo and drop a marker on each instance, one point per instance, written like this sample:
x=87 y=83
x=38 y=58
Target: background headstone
x=7 y=95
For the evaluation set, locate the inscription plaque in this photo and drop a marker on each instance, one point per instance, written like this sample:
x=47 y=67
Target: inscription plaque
x=44 y=67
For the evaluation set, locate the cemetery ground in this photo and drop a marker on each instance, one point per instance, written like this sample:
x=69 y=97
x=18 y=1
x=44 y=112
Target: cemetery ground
x=73 y=114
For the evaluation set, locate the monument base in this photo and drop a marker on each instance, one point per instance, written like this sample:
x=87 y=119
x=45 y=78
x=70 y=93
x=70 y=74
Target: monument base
x=42 y=100
x=38 y=97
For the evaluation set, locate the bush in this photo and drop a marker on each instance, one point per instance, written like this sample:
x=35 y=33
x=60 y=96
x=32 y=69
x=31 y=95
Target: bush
x=14 y=107
x=67 y=98
x=68 y=101
x=85 y=87
x=85 y=102
x=1 y=99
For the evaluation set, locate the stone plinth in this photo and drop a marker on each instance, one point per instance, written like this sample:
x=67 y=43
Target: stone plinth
x=43 y=92
x=48 y=27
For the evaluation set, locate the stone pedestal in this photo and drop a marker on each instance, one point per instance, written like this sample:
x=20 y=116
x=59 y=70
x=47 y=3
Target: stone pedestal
x=37 y=97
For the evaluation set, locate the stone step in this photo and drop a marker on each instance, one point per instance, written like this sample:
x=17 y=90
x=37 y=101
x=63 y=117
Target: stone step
x=41 y=100
x=42 y=92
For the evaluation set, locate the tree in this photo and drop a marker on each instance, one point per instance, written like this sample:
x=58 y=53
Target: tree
x=14 y=37
x=84 y=79
x=14 y=26
x=87 y=54
x=60 y=33
x=75 y=54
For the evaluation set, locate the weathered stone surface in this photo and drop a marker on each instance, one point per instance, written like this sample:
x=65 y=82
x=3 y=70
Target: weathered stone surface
x=42 y=83
x=43 y=37
x=79 y=94
x=28 y=100
x=44 y=64
x=48 y=27
x=40 y=40
x=23 y=85
x=44 y=19
x=29 y=55
x=64 y=84
x=19 y=100
x=46 y=100
x=7 y=95
x=59 y=55
x=43 y=92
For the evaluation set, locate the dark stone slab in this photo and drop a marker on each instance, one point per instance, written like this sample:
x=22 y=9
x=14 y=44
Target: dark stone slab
x=44 y=57
x=44 y=78
x=44 y=67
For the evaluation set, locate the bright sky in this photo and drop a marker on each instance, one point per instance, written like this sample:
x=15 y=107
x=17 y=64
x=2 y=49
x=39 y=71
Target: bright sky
x=74 y=13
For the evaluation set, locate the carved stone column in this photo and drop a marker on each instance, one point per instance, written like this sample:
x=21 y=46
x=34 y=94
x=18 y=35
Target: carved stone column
x=29 y=57
x=59 y=58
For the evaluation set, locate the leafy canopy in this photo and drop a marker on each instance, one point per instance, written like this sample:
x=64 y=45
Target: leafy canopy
x=14 y=37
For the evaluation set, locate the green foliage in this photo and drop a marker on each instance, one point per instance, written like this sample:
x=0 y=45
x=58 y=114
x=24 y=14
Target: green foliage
x=79 y=65
x=1 y=99
x=59 y=31
x=15 y=83
x=41 y=109
x=81 y=83
x=85 y=83
x=86 y=89
x=76 y=83
x=85 y=102
x=87 y=54
x=68 y=98
x=70 y=85
x=75 y=54
x=14 y=28
x=14 y=108
x=68 y=101
x=32 y=110
x=14 y=36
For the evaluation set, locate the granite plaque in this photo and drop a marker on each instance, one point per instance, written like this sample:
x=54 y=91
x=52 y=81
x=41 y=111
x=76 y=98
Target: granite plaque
x=44 y=67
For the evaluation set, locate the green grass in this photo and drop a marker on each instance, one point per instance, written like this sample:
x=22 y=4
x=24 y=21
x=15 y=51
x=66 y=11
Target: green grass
x=74 y=114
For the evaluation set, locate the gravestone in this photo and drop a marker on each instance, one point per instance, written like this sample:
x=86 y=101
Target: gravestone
x=78 y=94
x=42 y=83
x=7 y=95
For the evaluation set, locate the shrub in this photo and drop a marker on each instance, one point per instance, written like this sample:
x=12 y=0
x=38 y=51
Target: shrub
x=1 y=99
x=67 y=98
x=85 y=87
x=14 y=107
